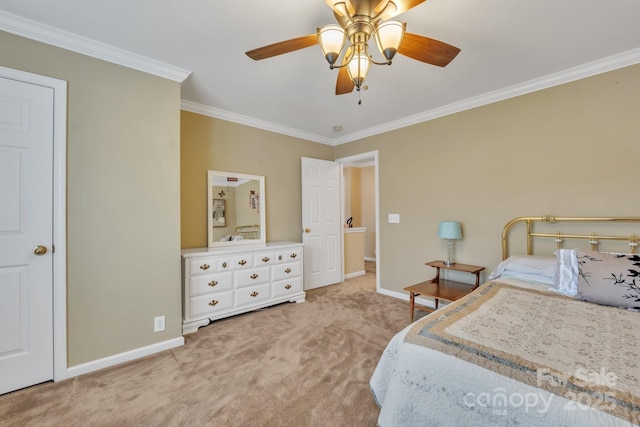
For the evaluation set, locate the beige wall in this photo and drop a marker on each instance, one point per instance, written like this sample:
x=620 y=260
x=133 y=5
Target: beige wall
x=213 y=144
x=123 y=218
x=568 y=150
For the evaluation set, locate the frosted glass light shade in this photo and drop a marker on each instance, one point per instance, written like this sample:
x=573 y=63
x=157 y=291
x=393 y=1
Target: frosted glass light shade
x=389 y=37
x=331 y=39
x=450 y=230
x=358 y=68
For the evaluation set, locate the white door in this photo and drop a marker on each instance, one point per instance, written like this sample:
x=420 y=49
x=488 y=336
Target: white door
x=26 y=231
x=321 y=223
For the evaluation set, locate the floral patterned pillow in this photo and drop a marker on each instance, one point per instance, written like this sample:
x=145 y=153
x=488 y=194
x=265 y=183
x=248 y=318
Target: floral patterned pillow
x=609 y=279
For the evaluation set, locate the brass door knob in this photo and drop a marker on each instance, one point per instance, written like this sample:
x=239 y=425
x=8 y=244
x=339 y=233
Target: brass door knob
x=307 y=230
x=40 y=250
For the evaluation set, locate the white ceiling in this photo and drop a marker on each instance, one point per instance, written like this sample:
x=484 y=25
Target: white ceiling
x=508 y=47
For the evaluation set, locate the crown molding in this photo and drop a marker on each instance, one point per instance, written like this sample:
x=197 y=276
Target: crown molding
x=611 y=63
x=53 y=36
x=250 y=121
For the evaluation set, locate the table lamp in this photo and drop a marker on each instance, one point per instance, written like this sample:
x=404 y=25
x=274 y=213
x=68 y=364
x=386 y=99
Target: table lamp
x=451 y=231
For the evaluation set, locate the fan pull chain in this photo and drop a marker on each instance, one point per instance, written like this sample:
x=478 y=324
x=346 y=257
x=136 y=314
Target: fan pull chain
x=359 y=97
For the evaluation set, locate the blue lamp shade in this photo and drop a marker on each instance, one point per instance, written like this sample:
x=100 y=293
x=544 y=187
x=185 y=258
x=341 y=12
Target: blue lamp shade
x=449 y=230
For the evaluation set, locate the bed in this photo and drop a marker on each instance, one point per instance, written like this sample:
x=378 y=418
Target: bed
x=248 y=231
x=548 y=340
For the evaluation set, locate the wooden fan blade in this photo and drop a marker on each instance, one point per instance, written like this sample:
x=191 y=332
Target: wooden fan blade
x=282 y=47
x=344 y=83
x=427 y=50
x=401 y=6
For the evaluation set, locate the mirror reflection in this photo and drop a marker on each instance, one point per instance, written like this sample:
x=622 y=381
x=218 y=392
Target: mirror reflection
x=235 y=209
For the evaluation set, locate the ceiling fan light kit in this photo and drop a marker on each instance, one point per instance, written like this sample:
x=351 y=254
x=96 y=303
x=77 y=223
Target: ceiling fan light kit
x=358 y=22
x=359 y=29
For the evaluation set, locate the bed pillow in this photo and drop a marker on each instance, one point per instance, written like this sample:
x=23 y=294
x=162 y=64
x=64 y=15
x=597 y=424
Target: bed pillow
x=609 y=279
x=566 y=280
x=528 y=268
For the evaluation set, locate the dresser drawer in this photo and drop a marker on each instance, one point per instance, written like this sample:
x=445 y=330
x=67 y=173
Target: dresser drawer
x=203 y=266
x=263 y=259
x=290 y=255
x=253 y=294
x=284 y=287
x=240 y=262
x=283 y=271
x=251 y=277
x=217 y=282
x=209 y=304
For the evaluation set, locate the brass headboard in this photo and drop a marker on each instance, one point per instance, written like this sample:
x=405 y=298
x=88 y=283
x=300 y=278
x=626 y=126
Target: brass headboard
x=248 y=231
x=559 y=237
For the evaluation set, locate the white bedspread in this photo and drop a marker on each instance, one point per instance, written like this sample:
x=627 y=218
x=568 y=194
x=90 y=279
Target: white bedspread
x=419 y=386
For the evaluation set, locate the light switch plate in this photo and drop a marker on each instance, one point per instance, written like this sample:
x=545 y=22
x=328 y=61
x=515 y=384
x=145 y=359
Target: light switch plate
x=394 y=218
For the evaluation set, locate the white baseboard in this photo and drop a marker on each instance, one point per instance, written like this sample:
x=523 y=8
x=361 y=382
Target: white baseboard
x=405 y=297
x=127 y=356
x=355 y=274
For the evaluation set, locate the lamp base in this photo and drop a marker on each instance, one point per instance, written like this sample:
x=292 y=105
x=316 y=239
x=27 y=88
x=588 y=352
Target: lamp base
x=450 y=254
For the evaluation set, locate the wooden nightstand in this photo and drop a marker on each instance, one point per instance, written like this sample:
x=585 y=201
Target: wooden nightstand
x=442 y=289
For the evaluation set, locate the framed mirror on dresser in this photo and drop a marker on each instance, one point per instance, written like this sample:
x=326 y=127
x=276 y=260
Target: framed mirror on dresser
x=236 y=209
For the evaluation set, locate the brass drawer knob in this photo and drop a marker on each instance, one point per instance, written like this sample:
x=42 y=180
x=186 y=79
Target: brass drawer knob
x=205 y=267
x=280 y=258
x=288 y=270
x=254 y=294
x=287 y=287
x=293 y=255
x=213 y=303
x=242 y=262
x=254 y=276
x=265 y=259
x=224 y=264
x=213 y=283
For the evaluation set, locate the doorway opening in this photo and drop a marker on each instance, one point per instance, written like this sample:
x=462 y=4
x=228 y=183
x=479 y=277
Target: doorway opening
x=363 y=207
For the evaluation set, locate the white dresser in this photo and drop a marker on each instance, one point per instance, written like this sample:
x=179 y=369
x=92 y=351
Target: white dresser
x=222 y=282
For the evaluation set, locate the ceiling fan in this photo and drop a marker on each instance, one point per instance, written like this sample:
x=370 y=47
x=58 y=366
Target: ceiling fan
x=358 y=22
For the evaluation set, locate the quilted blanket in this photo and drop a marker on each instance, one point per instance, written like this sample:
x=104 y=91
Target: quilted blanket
x=585 y=353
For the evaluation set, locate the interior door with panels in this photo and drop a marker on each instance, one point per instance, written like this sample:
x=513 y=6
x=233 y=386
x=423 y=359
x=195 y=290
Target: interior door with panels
x=26 y=234
x=321 y=222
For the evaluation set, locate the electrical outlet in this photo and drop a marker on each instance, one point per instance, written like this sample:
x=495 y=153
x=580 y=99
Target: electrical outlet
x=158 y=324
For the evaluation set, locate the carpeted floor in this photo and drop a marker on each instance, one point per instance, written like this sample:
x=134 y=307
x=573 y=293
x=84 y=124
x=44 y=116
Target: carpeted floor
x=304 y=364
